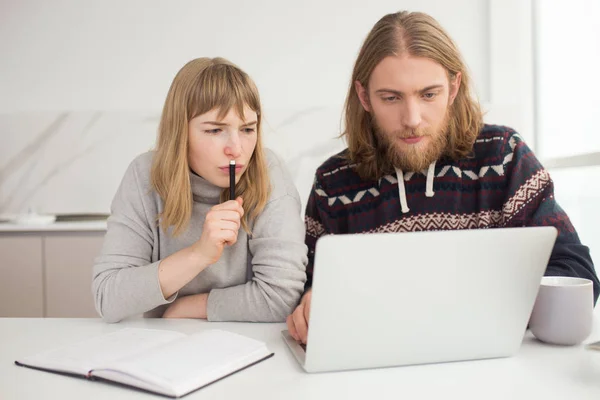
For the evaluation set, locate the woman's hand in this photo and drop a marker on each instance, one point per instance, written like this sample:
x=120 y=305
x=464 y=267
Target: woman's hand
x=220 y=229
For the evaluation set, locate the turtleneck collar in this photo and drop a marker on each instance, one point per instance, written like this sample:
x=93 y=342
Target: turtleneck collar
x=203 y=191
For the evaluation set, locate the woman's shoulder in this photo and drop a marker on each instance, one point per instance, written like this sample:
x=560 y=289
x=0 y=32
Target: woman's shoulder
x=282 y=182
x=274 y=160
x=143 y=162
x=136 y=178
x=135 y=191
x=140 y=167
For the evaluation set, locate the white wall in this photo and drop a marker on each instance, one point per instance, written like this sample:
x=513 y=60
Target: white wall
x=107 y=66
x=114 y=54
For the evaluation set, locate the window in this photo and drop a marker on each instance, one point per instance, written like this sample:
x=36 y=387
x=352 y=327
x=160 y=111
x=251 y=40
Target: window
x=567 y=105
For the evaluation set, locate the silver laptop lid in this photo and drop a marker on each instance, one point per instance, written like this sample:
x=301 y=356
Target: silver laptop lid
x=409 y=298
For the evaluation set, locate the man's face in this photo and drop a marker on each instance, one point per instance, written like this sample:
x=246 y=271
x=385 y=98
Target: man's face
x=409 y=99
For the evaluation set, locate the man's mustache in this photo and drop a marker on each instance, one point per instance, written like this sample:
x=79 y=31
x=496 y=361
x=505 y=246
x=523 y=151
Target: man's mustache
x=410 y=134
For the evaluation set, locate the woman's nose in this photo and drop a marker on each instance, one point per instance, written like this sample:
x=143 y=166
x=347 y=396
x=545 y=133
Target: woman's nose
x=233 y=147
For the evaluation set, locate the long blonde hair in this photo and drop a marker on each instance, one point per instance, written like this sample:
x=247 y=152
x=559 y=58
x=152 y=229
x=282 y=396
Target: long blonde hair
x=419 y=35
x=202 y=85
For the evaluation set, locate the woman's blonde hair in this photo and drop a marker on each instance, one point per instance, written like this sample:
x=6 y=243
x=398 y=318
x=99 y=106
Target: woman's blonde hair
x=419 y=35
x=200 y=86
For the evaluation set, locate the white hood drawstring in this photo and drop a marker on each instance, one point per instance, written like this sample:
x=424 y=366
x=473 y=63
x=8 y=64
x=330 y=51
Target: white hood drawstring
x=430 y=175
x=402 y=190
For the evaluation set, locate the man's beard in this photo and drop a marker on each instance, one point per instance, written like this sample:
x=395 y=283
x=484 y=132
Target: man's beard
x=414 y=157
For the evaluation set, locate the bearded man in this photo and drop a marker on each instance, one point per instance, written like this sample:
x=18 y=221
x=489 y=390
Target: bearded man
x=420 y=157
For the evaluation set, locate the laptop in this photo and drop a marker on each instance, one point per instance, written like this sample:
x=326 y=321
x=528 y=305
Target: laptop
x=391 y=299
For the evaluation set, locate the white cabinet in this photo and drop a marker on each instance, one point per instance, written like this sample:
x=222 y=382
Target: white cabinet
x=68 y=265
x=48 y=274
x=21 y=276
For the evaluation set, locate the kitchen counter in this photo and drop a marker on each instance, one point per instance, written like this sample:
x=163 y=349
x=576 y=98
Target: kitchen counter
x=83 y=226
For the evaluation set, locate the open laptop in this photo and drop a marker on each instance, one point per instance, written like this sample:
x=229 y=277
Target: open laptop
x=391 y=299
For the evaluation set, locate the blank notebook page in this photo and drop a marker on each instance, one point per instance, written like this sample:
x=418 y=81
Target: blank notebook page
x=88 y=354
x=184 y=360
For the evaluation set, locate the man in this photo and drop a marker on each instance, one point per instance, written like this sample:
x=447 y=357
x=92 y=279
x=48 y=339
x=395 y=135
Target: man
x=419 y=156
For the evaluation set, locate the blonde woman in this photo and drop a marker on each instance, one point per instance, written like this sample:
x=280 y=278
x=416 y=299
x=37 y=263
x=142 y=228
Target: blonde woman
x=177 y=246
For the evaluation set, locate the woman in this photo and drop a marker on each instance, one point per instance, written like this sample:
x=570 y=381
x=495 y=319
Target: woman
x=176 y=245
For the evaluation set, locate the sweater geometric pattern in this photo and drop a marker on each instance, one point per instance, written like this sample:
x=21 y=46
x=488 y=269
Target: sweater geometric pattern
x=501 y=184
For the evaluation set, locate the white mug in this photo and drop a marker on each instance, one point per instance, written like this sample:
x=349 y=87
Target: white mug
x=563 y=310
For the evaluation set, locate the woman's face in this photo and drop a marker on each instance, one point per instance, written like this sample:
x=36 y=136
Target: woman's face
x=214 y=142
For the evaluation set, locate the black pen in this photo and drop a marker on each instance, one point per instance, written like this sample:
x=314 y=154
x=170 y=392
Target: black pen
x=232 y=180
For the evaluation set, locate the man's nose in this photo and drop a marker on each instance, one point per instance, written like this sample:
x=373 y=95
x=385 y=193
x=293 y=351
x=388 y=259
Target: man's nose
x=411 y=115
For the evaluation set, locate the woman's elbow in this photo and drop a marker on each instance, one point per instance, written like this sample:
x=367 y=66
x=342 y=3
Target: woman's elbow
x=284 y=304
x=280 y=312
x=103 y=309
x=109 y=316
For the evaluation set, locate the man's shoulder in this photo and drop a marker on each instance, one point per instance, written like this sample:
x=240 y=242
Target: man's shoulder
x=334 y=162
x=496 y=142
x=501 y=149
x=337 y=168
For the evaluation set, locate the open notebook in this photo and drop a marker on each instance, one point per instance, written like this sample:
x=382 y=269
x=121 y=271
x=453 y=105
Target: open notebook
x=160 y=361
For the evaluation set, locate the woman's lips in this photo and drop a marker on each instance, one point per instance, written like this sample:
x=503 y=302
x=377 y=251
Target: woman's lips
x=238 y=168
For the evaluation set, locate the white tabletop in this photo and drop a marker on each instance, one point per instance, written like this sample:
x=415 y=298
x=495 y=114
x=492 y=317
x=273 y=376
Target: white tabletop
x=538 y=371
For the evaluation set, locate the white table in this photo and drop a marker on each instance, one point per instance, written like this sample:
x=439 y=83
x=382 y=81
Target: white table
x=538 y=371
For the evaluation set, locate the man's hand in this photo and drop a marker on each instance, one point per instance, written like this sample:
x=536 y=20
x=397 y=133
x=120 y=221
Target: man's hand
x=193 y=306
x=298 y=322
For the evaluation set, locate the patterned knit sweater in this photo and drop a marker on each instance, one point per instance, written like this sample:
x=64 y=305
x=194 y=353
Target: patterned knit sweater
x=502 y=185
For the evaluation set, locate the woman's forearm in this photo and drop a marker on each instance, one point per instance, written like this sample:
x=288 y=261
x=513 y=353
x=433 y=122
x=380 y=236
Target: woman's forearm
x=193 y=306
x=175 y=271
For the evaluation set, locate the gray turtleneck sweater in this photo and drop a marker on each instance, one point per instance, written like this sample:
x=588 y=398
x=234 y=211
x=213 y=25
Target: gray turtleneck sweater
x=260 y=278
